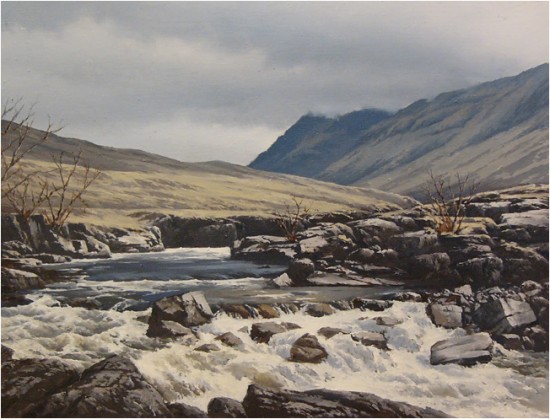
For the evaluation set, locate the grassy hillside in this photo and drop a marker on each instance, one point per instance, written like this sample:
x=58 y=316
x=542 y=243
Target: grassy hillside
x=134 y=183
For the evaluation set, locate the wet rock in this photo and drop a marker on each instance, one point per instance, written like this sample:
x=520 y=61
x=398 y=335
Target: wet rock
x=407 y=296
x=49 y=258
x=307 y=349
x=504 y=315
x=229 y=339
x=300 y=270
x=207 y=347
x=15 y=280
x=463 y=350
x=267 y=312
x=170 y=329
x=535 y=339
x=135 y=240
x=7 y=353
x=282 y=281
x=510 y=341
x=237 y=311
x=375 y=339
x=14 y=300
x=28 y=383
x=111 y=388
x=386 y=321
x=320 y=309
x=264 y=249
x=484 y=271
x=449 y=315
x=87 y=303
x=182 y=410
x=329 y=332
x=188 y=310
x=262 y=332
x=264 y=402
x=373 y=305
x=224 y=407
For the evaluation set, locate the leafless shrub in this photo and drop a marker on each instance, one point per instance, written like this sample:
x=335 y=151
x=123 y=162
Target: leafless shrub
x=447 y=200
x=290 y=218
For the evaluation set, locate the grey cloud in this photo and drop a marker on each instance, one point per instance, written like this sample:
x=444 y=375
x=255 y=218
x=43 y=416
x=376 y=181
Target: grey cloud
x=178 y=72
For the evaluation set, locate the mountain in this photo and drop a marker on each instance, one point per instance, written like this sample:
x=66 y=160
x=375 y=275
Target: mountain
x=135 y=184
x=314 y=142
x=496 y=131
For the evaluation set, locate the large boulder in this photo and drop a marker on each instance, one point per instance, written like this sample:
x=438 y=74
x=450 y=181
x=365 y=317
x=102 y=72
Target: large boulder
x=463 y=350
x=481 y=272
x=15 y=280
x=231 y=340
x=534 y=222
x=299 y=270
x=320 y=309
x=264 y=402
x=504 y=315
x=431 y=266
x=445 y=315
x=264 y=249
x=187 y=310
x=375 y=231
x=262 y=332
x=414 y=243
x=307 y=349
x=375 y=339
x=28 y=383
x=224 y=407
x=111 y=388
x=182 y=410
x=135 y=240
x=521 y=263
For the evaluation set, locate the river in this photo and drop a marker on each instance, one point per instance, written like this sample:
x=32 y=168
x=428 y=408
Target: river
x=514 y=385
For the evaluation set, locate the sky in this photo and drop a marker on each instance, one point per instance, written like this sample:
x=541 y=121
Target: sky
x=200 y=81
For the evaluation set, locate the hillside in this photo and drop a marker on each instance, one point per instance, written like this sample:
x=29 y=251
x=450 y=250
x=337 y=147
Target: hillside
x=496 y=131
x=134 y=183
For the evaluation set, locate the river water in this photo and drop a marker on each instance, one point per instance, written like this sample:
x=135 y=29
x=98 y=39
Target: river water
x=514 y=385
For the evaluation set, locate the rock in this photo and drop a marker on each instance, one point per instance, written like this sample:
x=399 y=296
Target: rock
x=465 y=290
x=300 y=270
x=264 y=402
x=7 y=354
x=371 y=339
x=504 y=315
x=414 y=243
x=224 y=407
x=510 y=341
x=531 y=288
x=407 y=296
x=375 y=230
x=307 y=349
x=229 y=339
x=314 y=247
x=16 y=248
x=463 y=350
x=535 y=339
x=207 y=347
x=14 y=300
x=432 y=265
x=320 y=309
x=478 y=225
x=237 y=311
x=449 y=315
x=189 y=310
x=28 y=383
x=482 y=272
x=111 y=388
x=267 y=312
x=386 y=321
x=264 y=249
x=169 y=329
x=262 y=332
x=521 y=263
x=462 y=248
x=135 y=240
x=48 y=258
x=535 y=222
x=182 y=410
x=373 y=305
x=282 y=281
x=329 y=332
x=15 y=280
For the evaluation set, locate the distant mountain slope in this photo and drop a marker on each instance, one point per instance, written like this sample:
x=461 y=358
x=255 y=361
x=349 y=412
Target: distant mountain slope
x=314 y=142
x=134 y=182
x=497 y=131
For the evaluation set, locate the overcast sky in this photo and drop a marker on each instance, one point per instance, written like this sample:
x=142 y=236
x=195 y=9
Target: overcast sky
x=222 y=80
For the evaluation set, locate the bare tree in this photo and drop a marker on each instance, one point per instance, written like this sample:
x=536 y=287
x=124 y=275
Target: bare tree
x=55 y=192
x=66 y=193
x=289 y=219
x=447 y=200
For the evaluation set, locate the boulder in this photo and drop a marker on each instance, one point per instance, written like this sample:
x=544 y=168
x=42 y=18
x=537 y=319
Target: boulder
x=169 y=329
x=267 y=312
x=407 y=296
x=7 y=354
x=329 y=332
x=282 y=281
x=299 y=270
x=448 y=315
x=463 y=350
x=135 y=240
x=264 y=402
x=430 y=266
x=224 y=407
x=462 y=248
x=521 y=263
x=375 y=230
x=375 y=339
x=111 y=388
x=386 y=321
x=229 y=339
x=320 y=309
x=307 y=349
x=531 y=288
x=262 y=332
x=534 y=222
x=414 y=243
x=15 y=280
x=28 y=383
x=264 y=249
x=504 y=315
x=373 y=305
x=535 y=339
x=237 y=311
x=182 y=410
x=207 y=347
x=189 y=310
x=510 y=341
x=481 y=272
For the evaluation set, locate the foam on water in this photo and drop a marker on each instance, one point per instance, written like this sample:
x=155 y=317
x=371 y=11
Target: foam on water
x=82 y=337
